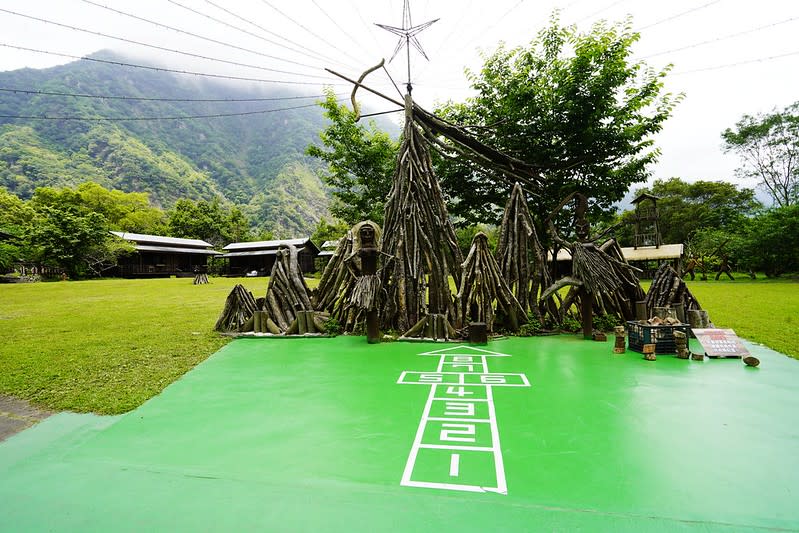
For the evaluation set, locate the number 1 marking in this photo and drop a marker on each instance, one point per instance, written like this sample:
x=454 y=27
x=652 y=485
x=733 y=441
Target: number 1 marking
x=454 y=464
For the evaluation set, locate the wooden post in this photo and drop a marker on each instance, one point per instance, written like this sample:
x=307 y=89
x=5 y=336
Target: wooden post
x=640 y=310
x=587 y=312
x=478 y=333
x=619 y=346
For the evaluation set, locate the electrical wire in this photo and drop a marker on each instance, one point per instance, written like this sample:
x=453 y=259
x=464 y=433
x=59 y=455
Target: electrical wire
x=269 y=32
x=209 y=39
x=736 y=64
x=342 y=30
x=722 y=38
x=155 y=99
x=165 y=69
x=165 y=49
x=678 y=15
x=140 y=119
x=595 y=13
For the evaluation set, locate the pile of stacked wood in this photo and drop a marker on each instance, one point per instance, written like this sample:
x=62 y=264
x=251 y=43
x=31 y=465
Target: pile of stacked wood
x=482 y=285
x=420 y=238
x=337 y=282
x=669 y=290
x=238 y=312
x=287 y=296
x=521 y=257
x=200 y=278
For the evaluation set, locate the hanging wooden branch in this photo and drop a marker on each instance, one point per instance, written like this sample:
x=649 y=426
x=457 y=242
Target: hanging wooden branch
x=521 y=257
x=482 y=285
x=238 y=311
x=287 y=296
x=420 y=238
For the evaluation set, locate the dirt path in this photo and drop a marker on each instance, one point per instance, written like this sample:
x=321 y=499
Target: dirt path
x=16 y=415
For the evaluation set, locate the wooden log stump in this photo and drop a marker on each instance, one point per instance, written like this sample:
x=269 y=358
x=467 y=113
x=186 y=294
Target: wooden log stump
x=649 y=352
x=619 y=346
x=478 y=333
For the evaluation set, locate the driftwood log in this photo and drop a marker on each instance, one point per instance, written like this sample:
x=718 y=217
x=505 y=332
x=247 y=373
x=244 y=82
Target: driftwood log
x=521 y=257
x=483 y=284
x=287 y=295
x=420 y=238
x=239 y=309
x=669 y=290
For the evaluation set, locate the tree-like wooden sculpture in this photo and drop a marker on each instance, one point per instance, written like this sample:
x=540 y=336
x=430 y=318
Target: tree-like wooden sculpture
x=482 y=285
x=239 y=309
x=597 y=279
x=288 y=299
x=521 y=258
x=667 y=290
x=420 y=237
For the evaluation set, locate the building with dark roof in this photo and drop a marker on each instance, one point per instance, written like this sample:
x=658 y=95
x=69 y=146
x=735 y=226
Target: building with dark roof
x=259 y=256
x=158 y=256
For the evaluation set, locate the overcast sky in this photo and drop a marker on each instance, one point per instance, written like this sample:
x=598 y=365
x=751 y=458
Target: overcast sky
x=731 y=57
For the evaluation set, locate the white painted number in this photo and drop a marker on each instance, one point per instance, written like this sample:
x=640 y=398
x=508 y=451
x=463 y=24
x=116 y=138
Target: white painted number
x=431 y=378
x=470 y=368
x=458 y=391
x=459 y=409
x=457 y=432
x=492 y=380
x=463 y=359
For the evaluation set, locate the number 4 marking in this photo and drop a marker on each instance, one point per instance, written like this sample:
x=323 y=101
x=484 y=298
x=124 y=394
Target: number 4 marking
x=458 y=391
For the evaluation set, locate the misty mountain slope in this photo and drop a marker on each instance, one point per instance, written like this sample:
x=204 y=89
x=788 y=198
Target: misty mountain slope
x=256 y=161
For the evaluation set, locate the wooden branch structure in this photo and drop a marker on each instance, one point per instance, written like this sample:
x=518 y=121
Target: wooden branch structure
x=288 y=298
x=667 y=290
x=420 y=238
x=521 y=257
x=239 y=309
x=483 y=284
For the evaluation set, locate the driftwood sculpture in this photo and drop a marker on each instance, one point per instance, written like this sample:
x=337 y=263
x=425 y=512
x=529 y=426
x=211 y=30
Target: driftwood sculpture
x=667 y=290
x=599 y=280
x=239 y=309
x=521 y=258
x=420 y=238
x=483 y=284
x=288 y=299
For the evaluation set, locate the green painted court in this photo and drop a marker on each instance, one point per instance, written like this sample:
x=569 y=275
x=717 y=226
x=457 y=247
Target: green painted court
x=546 y=433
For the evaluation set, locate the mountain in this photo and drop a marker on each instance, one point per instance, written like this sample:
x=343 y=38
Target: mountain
x=255 y=161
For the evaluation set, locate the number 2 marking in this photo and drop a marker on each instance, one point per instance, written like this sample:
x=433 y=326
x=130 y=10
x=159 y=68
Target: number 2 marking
x=464 y=430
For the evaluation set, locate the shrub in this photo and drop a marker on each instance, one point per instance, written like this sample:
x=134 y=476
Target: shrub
x=606 y=322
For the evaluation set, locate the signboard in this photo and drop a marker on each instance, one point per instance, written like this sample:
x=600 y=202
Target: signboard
x=720 y=343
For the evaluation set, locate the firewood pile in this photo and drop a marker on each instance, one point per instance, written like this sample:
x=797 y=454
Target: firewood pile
x=521 y=257
x=667 y=290
x=287 y=295
x=200 y=278
x=483 y=284
x=239 y=309
x=337 y=280
x=420 y=238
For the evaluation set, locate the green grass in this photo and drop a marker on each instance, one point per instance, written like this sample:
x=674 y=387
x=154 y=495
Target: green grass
x=106 y=346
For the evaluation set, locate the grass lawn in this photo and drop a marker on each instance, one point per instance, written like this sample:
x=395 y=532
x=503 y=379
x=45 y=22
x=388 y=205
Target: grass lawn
x=106 y=346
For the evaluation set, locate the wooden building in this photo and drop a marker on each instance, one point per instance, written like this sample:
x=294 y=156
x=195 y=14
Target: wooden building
x=257 y=258
x=646 y=258
x=162 y=257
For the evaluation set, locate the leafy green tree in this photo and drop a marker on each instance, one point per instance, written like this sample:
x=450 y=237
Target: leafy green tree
x=768 y=145
x=326 y=231
x=15 y=217
x=574 y=104
x=686 y=207
x=209 y=221
x=771 y=242
x=360 y=163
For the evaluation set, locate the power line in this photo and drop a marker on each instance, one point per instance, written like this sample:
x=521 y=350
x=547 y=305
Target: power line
x=678 y=15
x=155 y=99
x=164 y=49
x=730 y=65
x=342 y=30
x=722 y=38
x=209 y=39
x=595 y=13
x=242 y=30
x=269 y=32
x=162 y=69
x=186 y=117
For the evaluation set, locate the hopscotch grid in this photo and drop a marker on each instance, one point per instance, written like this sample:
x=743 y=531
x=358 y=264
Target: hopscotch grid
x=495 y=449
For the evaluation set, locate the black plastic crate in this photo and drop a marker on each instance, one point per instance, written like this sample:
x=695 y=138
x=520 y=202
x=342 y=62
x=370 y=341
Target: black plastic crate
x=661 y=336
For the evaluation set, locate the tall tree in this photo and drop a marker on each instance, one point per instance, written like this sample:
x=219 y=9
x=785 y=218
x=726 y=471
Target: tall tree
x=360 y=162
x=209 y=221
x=574 y=104
x=768 y=145
x=686 y=207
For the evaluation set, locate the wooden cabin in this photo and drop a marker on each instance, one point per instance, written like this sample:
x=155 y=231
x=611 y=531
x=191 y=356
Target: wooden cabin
x=257 y=258
x=163 y=257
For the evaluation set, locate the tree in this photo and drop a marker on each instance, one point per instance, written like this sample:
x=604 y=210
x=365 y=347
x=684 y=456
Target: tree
x=686 y=207
x=768 y=145
x=771 y=241
x=325 y=231
x=209 y=221
x=575 y=105
x=360 y=161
